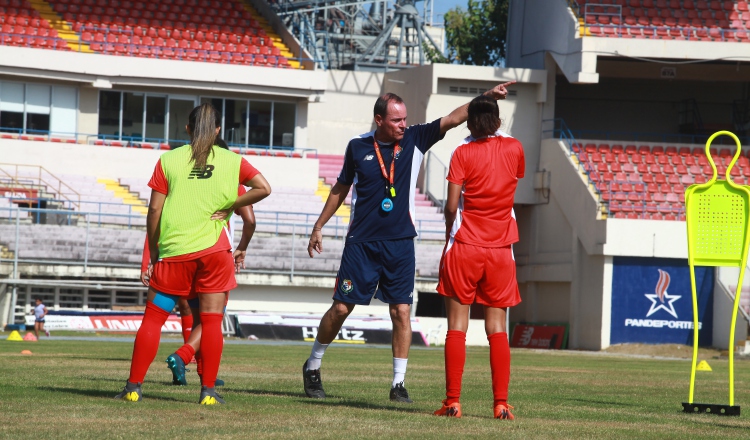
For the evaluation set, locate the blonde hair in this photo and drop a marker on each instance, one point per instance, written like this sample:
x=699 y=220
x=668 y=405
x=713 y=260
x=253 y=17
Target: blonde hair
x=203 y=122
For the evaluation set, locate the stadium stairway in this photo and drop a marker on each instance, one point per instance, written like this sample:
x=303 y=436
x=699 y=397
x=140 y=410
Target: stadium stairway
x=195 y=30
x=63 y=28
x=283 y=49
x=128 y=197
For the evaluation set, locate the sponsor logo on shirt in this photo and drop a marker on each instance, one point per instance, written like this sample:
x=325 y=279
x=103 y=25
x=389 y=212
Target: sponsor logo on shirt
x=202 y=173
x=369 y=157
x=397 y=152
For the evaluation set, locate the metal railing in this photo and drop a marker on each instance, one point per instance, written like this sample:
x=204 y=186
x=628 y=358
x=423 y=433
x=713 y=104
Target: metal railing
x=435 y=185
x=636 y=136
x=140 y=142
x=297 y=230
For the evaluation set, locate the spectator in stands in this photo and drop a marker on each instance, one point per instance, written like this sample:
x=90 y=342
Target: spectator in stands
x=478 y=264
x=40 y=311
x=189 y=309
x=194 y=191
x=379 y=258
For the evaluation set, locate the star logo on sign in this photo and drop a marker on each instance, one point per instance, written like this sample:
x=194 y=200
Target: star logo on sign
x=661 y=300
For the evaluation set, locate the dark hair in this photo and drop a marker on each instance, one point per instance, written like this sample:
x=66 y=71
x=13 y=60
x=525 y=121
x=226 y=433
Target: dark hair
x=484 y=116
x=38 y=299
x=219 y=142
x=203 y=122
x=381 y=105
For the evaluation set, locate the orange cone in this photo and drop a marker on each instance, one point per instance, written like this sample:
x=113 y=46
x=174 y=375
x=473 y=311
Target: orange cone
x=30 y=337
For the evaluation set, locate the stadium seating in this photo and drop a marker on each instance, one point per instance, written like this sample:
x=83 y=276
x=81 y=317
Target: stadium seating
x=666 y=19
x=124 y=246
x=649 y=181
x=196 y=30
x=22 y=25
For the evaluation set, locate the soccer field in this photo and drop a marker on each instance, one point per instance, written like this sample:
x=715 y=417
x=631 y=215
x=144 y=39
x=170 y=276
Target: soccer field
x=65 y=389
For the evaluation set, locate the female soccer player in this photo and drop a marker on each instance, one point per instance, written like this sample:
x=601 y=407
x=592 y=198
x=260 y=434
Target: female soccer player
x=190 y=315
x=194 y=191
x=477 y=263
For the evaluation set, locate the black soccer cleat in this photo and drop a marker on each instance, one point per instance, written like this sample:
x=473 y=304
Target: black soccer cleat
x=313 y=383
x=399 y=394
x=131 y=392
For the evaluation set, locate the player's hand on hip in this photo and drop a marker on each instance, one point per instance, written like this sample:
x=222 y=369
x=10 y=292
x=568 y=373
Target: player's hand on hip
x=500 y=91
x=239 y=260
x=316 y=242
x=221 y=215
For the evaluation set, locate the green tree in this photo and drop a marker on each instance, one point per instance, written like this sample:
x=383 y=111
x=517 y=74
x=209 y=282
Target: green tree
x=477 y=35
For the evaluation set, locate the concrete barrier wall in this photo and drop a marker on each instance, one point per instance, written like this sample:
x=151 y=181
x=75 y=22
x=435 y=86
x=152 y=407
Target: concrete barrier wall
x=114 y=162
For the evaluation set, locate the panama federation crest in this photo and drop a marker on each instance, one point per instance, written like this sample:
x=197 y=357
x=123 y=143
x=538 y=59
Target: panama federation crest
x=347 y=286
x=662 y=300
x=397 y=152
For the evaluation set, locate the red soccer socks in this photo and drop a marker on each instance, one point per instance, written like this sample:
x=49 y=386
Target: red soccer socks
x=500 y=364
x=186 y=353
x=187 y=328
x=455 y=358
x=212 y=344
x=147 y=342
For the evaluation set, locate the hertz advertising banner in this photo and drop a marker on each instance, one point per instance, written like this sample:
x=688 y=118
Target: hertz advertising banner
x=652 y=302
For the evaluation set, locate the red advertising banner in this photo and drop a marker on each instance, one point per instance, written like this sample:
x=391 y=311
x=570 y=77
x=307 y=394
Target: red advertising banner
x=549 y=336
x=20 y=193
x=108 y=322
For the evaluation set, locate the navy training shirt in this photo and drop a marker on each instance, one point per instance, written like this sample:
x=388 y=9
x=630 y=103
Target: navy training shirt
x=368 y=222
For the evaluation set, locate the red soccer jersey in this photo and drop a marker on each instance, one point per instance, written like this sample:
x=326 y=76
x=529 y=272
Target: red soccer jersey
x=488 y=169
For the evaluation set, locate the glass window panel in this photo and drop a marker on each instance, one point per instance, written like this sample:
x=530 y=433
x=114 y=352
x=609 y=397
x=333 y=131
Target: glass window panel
x=64 y=110
x=179 y=110
x=156 y=107
x=235 y=121
x=260 y=123
x=100 y=299
x=11 y=121
x=132 y=115
x=283 y=124
x=37 y=123
x=37 y=99
x=109 y=113
x=11 y=97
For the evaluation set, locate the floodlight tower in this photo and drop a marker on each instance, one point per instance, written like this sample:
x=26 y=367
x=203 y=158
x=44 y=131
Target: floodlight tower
x=410 y=44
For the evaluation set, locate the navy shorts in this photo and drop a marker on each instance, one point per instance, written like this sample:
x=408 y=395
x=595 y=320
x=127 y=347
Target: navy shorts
x=386 y=266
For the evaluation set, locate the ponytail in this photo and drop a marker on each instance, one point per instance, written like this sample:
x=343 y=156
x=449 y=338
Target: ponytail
x=203 y=122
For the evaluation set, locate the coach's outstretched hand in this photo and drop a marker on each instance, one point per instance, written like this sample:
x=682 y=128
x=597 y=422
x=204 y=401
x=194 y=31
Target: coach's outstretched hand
x=316 y=242
x=500 y=91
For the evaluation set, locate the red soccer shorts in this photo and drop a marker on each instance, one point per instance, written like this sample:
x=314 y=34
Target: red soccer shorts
x=488 y=275
x=212 y=273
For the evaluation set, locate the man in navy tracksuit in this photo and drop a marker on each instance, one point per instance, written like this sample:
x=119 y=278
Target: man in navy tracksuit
x=378 y=259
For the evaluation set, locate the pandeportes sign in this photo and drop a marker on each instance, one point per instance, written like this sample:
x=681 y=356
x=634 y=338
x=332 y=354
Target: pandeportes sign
x=651 y=301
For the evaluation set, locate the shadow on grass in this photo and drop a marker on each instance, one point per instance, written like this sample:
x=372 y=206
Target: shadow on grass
x=603 y=402
x=91 y=358
x=330 y=400
x=101 y=393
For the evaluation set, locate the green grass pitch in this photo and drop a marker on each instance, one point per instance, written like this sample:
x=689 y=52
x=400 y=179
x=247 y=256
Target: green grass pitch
x=65 y=389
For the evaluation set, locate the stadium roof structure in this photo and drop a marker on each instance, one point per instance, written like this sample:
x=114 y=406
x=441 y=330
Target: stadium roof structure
x=361 y=34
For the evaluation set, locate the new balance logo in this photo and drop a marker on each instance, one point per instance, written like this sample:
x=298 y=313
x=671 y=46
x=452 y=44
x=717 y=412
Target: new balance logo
x=369 y=157
x=202 y=173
